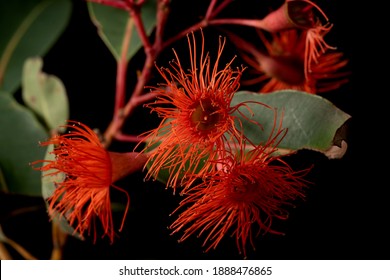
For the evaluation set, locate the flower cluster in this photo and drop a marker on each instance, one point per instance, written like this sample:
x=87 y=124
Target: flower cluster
x=248 y=191
x=200 y=139
x=231 y=184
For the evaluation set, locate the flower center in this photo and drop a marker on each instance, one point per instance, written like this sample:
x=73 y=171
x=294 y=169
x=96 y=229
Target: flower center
x=206 y=115
x=243 y=188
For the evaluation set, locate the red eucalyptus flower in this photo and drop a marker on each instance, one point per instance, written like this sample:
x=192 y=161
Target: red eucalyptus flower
x=282 y=66
x=242 y=198
x=197 y=121
x=303 y=15
x=83 y=196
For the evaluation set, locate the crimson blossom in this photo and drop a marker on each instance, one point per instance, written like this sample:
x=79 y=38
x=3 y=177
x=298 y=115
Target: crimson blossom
x=197 y=116
x=282 y=65
x=83 y=172
x=242 y=198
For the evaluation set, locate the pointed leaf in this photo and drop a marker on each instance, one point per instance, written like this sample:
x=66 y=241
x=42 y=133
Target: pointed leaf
x=19 y=137
x=111 y=23
x=44 y=94
x=312 y=120
x=28 y=28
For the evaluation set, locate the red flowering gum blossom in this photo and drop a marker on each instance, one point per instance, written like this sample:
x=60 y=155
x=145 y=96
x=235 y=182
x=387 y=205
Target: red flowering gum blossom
x=242 y=198
x=302 y=15
x=293 y=14
x=197 y=121
x=83 y=196
x=282 y=65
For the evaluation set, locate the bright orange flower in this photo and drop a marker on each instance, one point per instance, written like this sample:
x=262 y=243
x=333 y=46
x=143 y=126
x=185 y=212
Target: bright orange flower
x=197 y=121
x=283 y=65
x=83 y=196
x=303 y=15
x=244 y=196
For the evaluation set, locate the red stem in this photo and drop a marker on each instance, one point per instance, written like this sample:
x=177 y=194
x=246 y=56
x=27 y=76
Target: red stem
x=122 y=70
x=128 y=138
x=136 y=15
x=213 y=14
x=210 y=9
x=151 y=53
x=162 y=17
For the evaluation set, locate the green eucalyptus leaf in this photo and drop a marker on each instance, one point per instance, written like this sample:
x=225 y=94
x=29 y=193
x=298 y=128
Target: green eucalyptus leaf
x=112 y=23
x=312 y=121
x=19 y=137
x=44 y=94
x=28 y=28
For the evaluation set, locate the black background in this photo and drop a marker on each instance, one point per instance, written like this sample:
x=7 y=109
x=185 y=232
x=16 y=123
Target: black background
x=342 y=217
